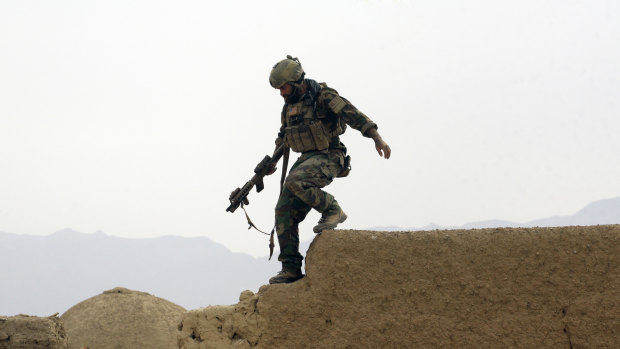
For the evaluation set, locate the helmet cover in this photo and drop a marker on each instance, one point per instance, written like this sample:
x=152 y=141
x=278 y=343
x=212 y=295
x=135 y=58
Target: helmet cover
x=286 y=70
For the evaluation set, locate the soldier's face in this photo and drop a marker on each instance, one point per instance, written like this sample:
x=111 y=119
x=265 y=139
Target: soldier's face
x=286 y=90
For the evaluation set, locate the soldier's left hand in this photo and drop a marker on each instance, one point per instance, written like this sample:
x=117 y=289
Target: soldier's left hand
x=383 y=148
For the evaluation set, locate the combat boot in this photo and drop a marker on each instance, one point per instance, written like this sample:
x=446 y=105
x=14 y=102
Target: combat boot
x=286 y=276
x=330 y=218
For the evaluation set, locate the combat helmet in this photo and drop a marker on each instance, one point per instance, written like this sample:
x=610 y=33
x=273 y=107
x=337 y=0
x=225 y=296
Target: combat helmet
x=286 y=70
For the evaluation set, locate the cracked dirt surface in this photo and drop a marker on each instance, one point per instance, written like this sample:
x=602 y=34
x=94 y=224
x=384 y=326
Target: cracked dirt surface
x=486 y=288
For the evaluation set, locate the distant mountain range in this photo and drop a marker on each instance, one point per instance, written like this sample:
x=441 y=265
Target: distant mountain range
x=599 y=212
x=42 y=275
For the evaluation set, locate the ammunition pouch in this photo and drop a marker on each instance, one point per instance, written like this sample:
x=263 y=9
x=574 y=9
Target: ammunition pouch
x=303 y=138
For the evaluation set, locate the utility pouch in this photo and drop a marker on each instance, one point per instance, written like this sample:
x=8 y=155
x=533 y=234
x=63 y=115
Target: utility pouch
x=346 y=167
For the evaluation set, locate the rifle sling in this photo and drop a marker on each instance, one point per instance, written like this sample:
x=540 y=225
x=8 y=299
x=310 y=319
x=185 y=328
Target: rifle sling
x=250 y=221
x=284 y=167
x=285 y=156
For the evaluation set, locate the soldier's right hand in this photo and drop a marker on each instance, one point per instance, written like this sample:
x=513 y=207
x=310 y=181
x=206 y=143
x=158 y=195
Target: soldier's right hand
x=272 y=171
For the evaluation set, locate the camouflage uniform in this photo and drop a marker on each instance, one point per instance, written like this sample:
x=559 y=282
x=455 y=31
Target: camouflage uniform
x=314 y=169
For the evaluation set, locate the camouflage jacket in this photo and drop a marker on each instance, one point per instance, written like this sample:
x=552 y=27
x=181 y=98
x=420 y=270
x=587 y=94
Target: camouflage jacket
x=331 y=109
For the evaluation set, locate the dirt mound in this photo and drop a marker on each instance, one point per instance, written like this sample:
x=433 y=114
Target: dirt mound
x=32 y=332
x=122 y=318
x=488 y=288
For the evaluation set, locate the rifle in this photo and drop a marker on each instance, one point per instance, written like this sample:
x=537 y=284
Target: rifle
x=240 y=195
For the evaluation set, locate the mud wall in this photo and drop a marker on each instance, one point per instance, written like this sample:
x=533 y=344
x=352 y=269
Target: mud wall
x=32 y=332
x=525 y=288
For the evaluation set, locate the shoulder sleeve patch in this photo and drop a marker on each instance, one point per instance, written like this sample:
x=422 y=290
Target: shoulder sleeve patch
x=336 y=104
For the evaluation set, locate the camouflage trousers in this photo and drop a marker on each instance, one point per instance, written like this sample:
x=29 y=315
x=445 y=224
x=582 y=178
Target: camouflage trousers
x=301 y=193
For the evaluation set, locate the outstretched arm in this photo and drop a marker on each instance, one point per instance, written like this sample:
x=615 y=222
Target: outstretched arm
x=353 y=117
x=382 y=148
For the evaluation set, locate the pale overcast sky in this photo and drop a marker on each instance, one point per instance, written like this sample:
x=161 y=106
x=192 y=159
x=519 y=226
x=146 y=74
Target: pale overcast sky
x=137 y=118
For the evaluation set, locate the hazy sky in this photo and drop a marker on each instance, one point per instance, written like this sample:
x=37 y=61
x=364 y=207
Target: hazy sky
x=138 y=118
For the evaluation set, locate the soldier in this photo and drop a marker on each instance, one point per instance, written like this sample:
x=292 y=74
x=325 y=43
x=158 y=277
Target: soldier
x=313 y=118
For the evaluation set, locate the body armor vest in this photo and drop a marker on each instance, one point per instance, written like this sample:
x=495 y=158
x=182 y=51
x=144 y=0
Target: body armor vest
x=308 y=129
